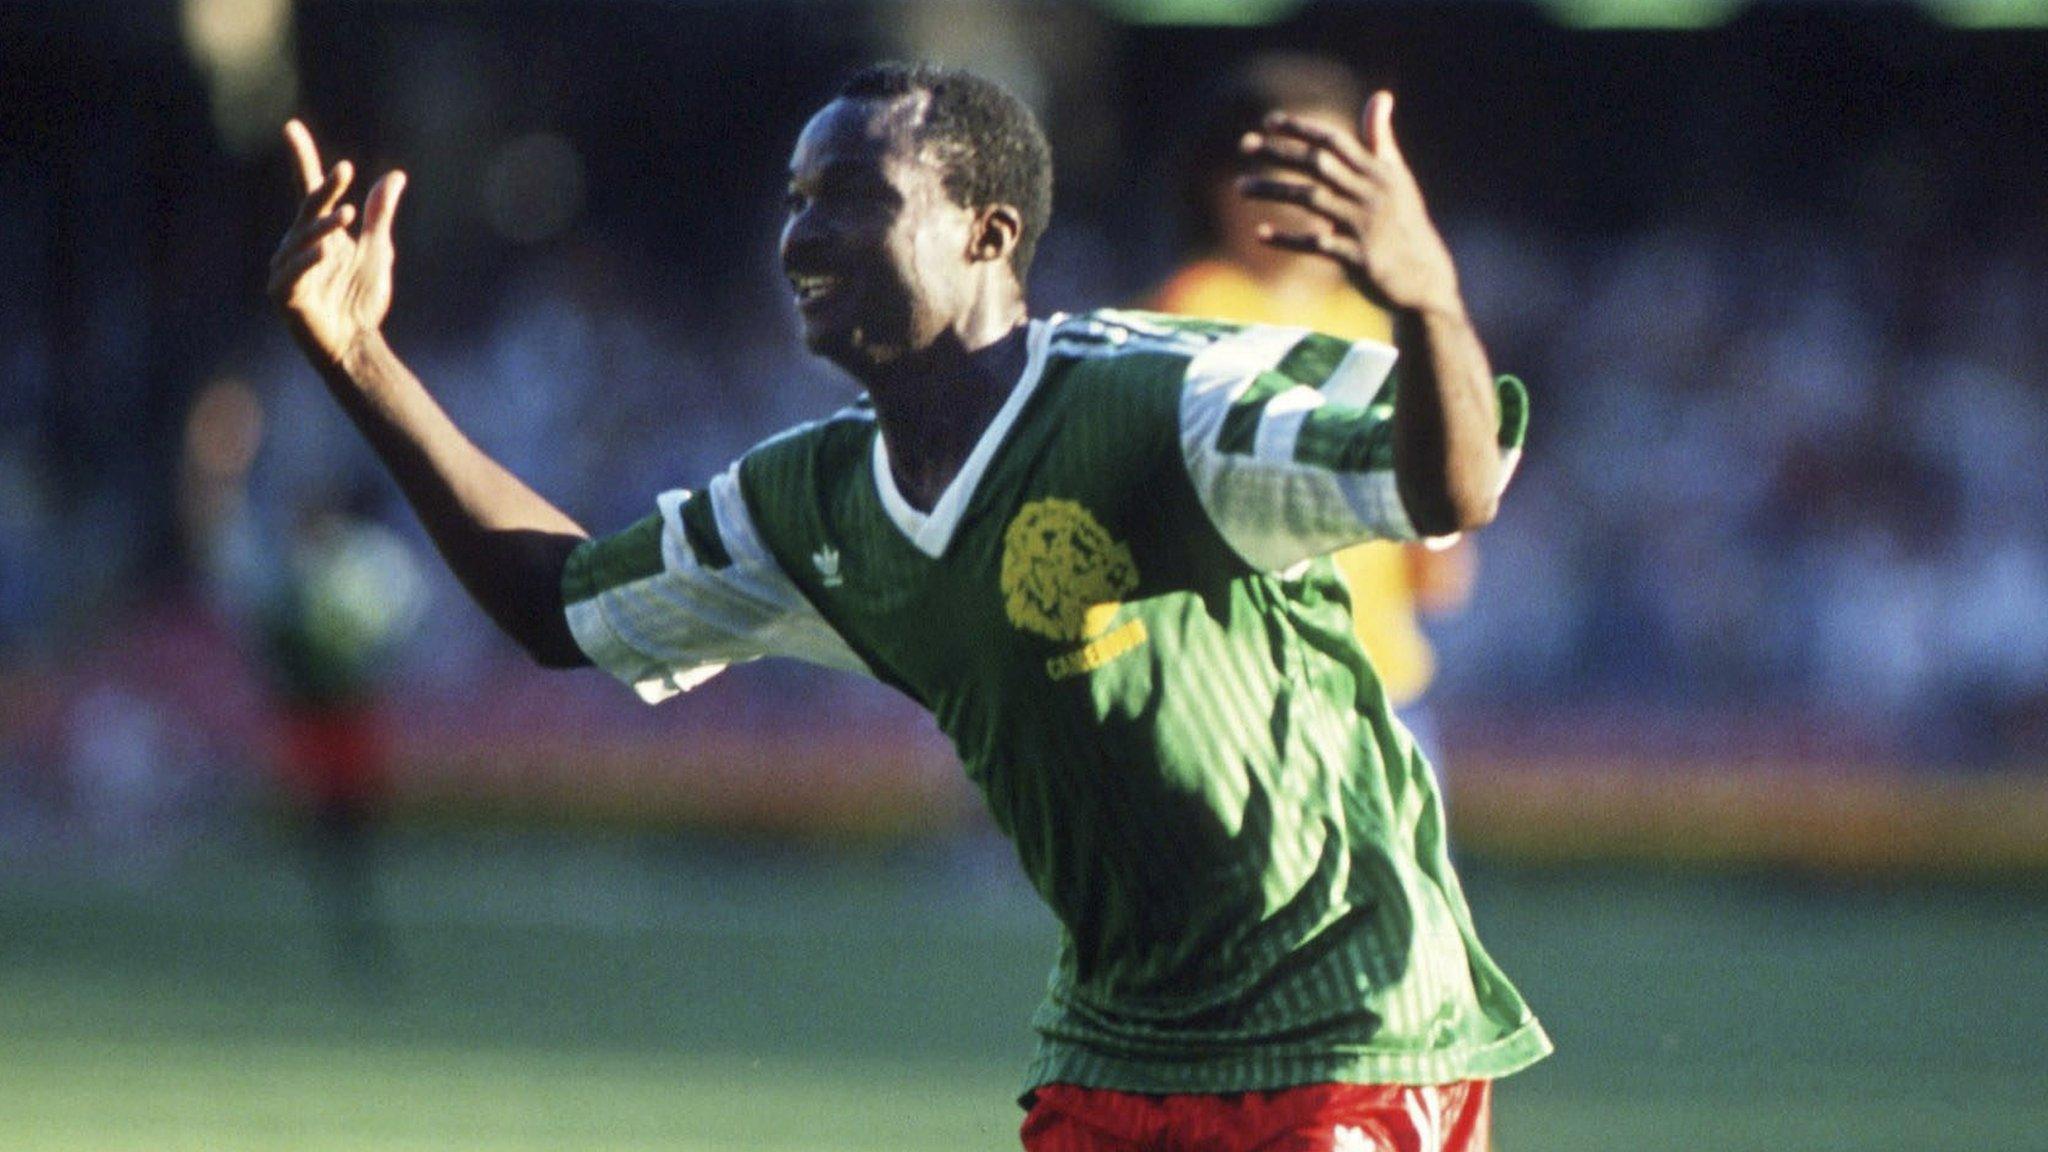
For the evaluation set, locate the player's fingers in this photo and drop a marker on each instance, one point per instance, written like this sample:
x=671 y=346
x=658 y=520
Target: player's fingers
x=380 y=207
x=1341 y=212
x=1313 y=242
x=1308 y=159
x=304 y=152
x=312 y=233
x=1340 y=142
x=338 y=179
x=341 y=216
x=322 y=199
x=1377 y=125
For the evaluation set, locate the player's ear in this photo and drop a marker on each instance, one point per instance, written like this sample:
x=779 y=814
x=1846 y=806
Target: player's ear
x=997 y=228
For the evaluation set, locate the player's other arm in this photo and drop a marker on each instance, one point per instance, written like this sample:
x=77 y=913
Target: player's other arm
x=1370 y=218
x=506 y=543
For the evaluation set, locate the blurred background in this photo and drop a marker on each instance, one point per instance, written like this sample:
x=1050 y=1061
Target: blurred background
x=1744 y=723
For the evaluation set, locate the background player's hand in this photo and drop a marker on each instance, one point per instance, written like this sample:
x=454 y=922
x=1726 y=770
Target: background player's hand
x=334 y=286
x=1361 y=202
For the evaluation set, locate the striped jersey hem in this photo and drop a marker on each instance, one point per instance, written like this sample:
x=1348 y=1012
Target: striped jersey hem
x=1059 y=1062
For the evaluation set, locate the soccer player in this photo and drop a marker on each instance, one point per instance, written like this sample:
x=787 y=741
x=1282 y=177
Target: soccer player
x=1095 y=547
x=319 y=607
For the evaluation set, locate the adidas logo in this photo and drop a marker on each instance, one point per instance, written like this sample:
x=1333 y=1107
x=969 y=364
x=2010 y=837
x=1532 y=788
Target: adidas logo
x=826 y=561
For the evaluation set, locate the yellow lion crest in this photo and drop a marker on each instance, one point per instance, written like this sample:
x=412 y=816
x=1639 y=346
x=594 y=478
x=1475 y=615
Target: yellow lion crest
x=1063 y=574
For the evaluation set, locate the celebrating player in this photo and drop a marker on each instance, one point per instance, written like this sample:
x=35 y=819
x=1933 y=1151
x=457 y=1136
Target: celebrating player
x=1095 y=547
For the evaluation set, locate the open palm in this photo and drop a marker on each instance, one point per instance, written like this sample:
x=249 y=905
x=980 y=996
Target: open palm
x=334 y=285
x=1367 y=210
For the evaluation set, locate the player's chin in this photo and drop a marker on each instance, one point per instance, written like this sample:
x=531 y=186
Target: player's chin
x=827 y=321
x=832 y=341
x=851 y=338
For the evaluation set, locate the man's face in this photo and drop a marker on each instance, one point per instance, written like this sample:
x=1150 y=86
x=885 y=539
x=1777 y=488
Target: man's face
x=877 y=252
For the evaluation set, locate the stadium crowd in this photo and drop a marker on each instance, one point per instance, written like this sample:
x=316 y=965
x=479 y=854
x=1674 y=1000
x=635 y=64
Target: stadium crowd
x=1784 y=483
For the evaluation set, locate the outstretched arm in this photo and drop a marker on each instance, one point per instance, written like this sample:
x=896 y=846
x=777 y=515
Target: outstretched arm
x=1370 y=219
x=505 y=542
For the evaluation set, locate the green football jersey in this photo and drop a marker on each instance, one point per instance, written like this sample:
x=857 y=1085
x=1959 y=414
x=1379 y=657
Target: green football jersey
x=1123 y=615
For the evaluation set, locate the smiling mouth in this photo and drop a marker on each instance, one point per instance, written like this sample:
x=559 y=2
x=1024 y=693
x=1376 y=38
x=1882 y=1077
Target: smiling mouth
x=811 y=289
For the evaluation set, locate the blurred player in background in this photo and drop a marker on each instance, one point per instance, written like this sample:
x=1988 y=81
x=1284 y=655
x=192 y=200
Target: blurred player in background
x=1236 y=275
x=318 y=603
x=1095 y=547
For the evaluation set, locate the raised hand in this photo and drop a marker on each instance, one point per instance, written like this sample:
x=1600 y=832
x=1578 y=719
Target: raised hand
x=1366 y=209
x=332 y=285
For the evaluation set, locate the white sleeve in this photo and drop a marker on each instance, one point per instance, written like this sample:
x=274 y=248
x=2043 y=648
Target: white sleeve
x=1291 y=454
x=666 y=604
x=1288 y=437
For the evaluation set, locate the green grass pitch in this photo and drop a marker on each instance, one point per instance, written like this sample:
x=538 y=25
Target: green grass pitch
x=637 y=993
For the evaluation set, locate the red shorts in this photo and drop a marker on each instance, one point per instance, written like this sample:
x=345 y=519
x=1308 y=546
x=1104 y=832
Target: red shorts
x=1311 y=1118
x=332 y=754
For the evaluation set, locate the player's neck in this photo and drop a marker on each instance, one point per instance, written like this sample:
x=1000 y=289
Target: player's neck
x=1295 y=279
x=933 y=408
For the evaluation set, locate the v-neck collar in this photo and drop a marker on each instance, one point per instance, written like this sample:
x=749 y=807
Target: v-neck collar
x=930 y=532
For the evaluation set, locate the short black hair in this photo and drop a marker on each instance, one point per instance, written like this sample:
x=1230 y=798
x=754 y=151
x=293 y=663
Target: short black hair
x=990 y=144
x=1239 y=103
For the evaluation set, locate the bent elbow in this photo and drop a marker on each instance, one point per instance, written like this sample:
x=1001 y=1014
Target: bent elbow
x=557 y=658
x=1453 y=507
x=1451 y=518
x=545 y=638
x=1475 y=509
x=553 y=648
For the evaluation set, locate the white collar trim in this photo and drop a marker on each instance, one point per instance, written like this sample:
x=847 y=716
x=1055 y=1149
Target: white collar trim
x=930 y=532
